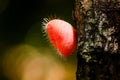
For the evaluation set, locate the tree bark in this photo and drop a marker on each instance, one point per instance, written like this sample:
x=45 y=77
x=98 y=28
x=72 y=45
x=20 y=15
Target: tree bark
x=98 y=23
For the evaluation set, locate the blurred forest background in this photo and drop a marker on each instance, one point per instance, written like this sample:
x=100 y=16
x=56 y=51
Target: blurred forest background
x=25 y=53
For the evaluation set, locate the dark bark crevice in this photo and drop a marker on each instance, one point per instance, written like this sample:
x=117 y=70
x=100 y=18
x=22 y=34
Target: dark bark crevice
x=98 y=23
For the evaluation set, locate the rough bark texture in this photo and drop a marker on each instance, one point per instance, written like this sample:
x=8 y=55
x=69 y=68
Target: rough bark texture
x=98 y=23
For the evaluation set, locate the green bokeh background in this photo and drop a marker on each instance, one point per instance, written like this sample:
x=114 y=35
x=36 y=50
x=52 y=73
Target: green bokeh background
x=21 y=22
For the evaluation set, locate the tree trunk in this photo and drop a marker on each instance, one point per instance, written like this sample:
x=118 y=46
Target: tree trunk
x=98 y=23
